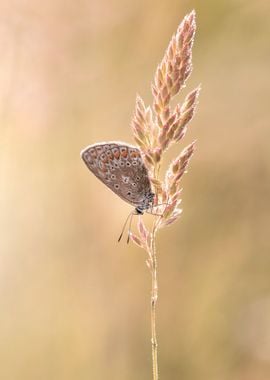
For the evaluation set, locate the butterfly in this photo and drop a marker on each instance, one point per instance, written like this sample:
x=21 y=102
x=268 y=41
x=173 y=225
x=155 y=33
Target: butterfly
x=120 y=167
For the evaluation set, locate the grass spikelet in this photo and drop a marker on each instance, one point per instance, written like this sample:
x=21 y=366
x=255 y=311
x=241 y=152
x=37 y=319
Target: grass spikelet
x=155 y=129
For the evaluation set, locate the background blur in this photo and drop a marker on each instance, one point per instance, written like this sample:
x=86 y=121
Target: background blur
x=74 y=304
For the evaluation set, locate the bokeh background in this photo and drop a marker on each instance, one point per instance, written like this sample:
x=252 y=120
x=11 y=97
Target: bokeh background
x=74 y=304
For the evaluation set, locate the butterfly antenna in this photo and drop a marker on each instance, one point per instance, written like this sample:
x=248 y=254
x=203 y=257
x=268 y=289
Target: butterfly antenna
x=124 y=226
x=129 y=227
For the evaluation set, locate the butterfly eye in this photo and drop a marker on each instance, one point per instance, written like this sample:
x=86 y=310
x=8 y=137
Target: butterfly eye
x=113 y=176
x=137 y=178
x=134 y=163
x=128 y=193
x=134 y=184
x=116 y=186
x=128 y=163
x=122 y=164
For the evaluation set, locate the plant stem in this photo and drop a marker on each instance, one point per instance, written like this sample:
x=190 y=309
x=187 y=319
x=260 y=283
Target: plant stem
x=154 y=296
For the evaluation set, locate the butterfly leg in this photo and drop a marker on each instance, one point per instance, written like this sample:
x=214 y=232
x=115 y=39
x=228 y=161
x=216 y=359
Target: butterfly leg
x=157 y=205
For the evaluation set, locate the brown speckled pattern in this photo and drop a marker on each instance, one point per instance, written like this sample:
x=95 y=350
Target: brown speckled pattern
x=120 y=167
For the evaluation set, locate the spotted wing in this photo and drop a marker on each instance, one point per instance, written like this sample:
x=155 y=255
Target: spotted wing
x=120 y=167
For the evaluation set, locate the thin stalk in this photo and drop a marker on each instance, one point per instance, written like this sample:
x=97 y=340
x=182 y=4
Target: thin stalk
x=154 y=290
x=154 y=297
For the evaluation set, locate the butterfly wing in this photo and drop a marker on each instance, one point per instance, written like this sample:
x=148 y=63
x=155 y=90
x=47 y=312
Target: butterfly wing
x=120 y=167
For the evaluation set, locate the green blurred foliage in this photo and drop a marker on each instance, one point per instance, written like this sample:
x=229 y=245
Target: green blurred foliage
x=75 y=303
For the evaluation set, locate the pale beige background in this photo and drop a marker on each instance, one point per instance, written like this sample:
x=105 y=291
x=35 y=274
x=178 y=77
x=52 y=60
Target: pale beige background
x=74 y=304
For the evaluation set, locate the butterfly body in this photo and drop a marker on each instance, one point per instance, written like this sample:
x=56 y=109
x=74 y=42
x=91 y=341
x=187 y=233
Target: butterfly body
x=120 y=167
